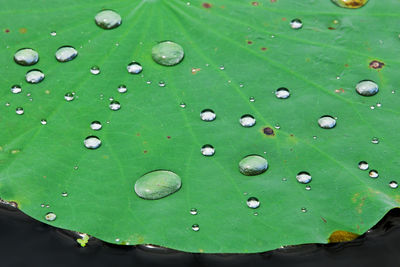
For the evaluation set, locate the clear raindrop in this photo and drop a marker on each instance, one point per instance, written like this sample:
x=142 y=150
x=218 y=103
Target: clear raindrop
x=161 y=83
x=393 y=184
x=207 y=150
x=69 y=96
x=108 y=19
x=195 y=227
x=50 y=216
x=375 y=140
x=373 y=174
x=363 y=165
x=19 y=111
x=253 y=202
x=367 y=88
x=95 y=125
x=207 y=115
x=304 y=210
x=95 y=70
x=303 y=177
x=296 y=24
x=66 y=53
x=282 y=93
x=327 y=122
x=43 y=121
x=253 y=165
x=34 y=76
x=26 y=57
x=16 y=89
x=122 y=89
x=92 y=142
x=193 y=211
x=167 y=53
x=115 y=105
x=134 y=67
x=247 y=120
x=157 y=184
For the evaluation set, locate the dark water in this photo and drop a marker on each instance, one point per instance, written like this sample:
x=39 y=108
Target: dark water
x=26 y=242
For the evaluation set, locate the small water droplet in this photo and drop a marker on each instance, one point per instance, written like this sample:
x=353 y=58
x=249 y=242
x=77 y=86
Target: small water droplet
x=182 y=105
x=50 y=216
x=66 y=53
x=253 y=165
x=252 y=99
x=303 y=177
x=157 y=184
x=167 y=53
x=193 y=211
x=148 y=82
x=69 y=96
x=95 y=70
x=95 y=125
x=53 y=33
x=7 y=104
x=122 y=88
x=303 y=210
x=363 y=165
x=92 y=142
x=372 y=107
x=327 y=122
x=42 y=205
x=222 y=67
x=284 y=179
x=108 y=19
x=134 y=67
x=308 y=187
x=350 y=3
x=64 y=194
x=393 y=184
x=43 y=121
x=161 y=83
x=282 y=93
x=207 y=115
x=378 y=105
x=393 y=91
x=115 y=105
x=26 y=57
x=16 y=89
x=19 y=111
x=314 y=137
x=76 y=167
x=207 y=150
x=277 y=126
x=47 y=206
x=373 y=174
x=195 y=227
x=367 y=88
x=375 y=140
x=34 y=76
x=247 y=120
x=296 y=24
x=253 y=202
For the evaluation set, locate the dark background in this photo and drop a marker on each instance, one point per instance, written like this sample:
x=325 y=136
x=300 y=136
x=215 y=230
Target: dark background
x=27 y=242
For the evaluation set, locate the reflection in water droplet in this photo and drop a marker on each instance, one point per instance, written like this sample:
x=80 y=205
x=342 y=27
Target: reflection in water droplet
x=16 y=89
x=34 y=76
x=253 y=165
x=308 y=188
x=26 y=57
x=96 y=125
x=375 y=140
x=207 y=115
x=43 y=122
x=92 y=142
x=363 y=165
x=69 y=96
x=207 y=150
x=95 y=70
x=122 y=89
x=367 y=88
x=327 y=122
x=134 y=67
x=195 y=227
x=157 y=184
x=115 y=105
x=161 y=83
x=303 y=177
x=66 y=53
x=50 y=216
x=253 y=202
x=373 y=174
x=108 y=19
x=303 y=210
x=167 y=53
x=64 y=194
x=296 y=24
x=393 y=184
x=247 y=120
x=350 y=3
x=193 y=211
x=282 y=93
x=19 y=111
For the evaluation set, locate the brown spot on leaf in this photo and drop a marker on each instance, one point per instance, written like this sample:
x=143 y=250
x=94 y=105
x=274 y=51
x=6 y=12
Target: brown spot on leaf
x=263 y=48
x=375 y=64
x=169 y=137
x=346 y=65
x=249 y=42
x=6 y=30
x=255 y=3
x=268 y=131
x=207 y=5
x=323 y=219
x=23 y=30
x=145 y=151
x=283 y=19
x=342 y=236
x=273 y=1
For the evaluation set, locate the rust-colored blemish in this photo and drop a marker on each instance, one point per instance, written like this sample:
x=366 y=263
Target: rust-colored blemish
x=323 y=219
x=268 y=131
x=283 y=19
x=168 y=137
x=291 y=135
x=354 y=3
x=342 y=236
x=375 y=64
x=249 y=42
x=144 y=151
x=207 y=5
x=138 y=134
x=273 y=1
x=195 y=70
x=23 y=30
x=331 y=28
x=263 y=48
x=255 y=3
x=346 y=65
x=340 y=90
x=6 y=30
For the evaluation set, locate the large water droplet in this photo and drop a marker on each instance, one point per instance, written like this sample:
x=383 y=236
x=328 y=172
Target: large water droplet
x=66 y=53
x=195 y=227
x=157 y=184
x=34 y=76
x=167 y=53
x=207 y=115
x=253 y=202
x=96 y=125
x=327 y=122
x=393 y=184
x=92 y=142
x=19 y=111
x=134 y=68
x=296 y=24
x=16 y=89
x=115 y=105
x=253 y=165
x=367 y=88
x=207 y=150
x=303 y=177
x=247 y=120
x=282 y=93
x=95 y=70
x=69 y=96
x=363 y=165
x=350 y=3
x=108 y=19
x=122 y=89
x=373 y=174
x=26 y=57
x=51 y=216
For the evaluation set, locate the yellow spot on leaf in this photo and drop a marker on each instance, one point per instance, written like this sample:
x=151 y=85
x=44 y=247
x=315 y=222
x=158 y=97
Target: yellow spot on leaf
x=342 y=236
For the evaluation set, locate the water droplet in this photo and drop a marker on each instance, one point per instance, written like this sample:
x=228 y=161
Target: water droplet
x=53 y=33
x=182 y=105
x=195 y=227
x=207 y=115
x=19 y=111
x=161 y=83
x=16 y=89
x=34 y=76
x=92 y=142
x=327 y=122
x=252 y=99
x=393 y=91
x=69 y=96
x=43 y=121
x=64 y=194
x=222 y=67
x=296 y=24
x=303 y=177
x=66 y=53
x=26 y=57
x=50 y=216
x=167 y=53
x=95 y=125
x=303 y=210
x=375 y=140
x=95 y=70
x=372 y=107
x=255 y=213
x=350 y=3
x=277 y=126
x=193 y=211
x=373 y=174
x=378 y=105
x=7 y=104
x=393 y=184
x=363 y=165
x=122 y=89
x=108 y=19
x=367 y=88
x=253 y=165
x=207 y=150
x=253 y=202
x=42 y=205
x=134 y=67
x=282 y=93
x=308 y=188
x=115 y=105
x=157 y=184
x=284 y=179
x=247 y=120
